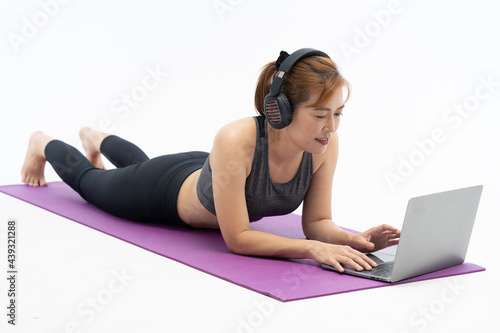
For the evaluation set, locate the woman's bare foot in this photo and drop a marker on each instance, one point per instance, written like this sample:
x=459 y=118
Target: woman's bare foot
x=91 y=140
x=32 y=171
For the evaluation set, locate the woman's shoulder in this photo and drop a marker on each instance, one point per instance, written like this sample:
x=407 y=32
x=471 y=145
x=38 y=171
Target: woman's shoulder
x=236 y=140
x=238 y=133
x=244 y=124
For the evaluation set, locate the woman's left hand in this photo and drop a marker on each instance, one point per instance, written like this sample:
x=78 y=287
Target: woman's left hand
x=376 y=238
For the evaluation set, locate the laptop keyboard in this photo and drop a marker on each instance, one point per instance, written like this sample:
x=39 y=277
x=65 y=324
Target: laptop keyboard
x=384 y=270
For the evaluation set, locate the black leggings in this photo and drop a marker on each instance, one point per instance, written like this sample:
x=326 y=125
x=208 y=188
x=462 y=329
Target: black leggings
x=140 y=189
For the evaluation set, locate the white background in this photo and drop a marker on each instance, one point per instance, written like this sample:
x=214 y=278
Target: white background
x=411 y=65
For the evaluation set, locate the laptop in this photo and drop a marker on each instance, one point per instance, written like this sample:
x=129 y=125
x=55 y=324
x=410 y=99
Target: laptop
x=435 y=235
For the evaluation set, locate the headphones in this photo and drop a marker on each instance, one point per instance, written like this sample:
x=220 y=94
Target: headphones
x=277 y=106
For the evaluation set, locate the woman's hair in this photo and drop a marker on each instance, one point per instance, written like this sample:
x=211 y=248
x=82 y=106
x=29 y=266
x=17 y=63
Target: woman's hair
x=308 y=76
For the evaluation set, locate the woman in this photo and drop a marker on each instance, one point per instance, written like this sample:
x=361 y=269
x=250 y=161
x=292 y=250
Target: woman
x=261 y=166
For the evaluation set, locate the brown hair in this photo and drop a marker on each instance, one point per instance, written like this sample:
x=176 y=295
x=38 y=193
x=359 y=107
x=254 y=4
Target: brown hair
x=307 y=76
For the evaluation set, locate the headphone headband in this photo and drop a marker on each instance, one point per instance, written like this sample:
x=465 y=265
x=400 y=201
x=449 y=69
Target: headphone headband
x=277 y=107
x=287 y=65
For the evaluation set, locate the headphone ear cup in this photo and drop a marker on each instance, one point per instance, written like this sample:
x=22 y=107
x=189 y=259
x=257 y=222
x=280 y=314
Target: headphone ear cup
x=278 y=111
x=285 y=109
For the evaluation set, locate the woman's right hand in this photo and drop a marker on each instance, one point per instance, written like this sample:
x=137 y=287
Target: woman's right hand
x=335 y=255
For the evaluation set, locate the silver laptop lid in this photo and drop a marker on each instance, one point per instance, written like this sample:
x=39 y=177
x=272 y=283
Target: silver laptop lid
x=436 y=232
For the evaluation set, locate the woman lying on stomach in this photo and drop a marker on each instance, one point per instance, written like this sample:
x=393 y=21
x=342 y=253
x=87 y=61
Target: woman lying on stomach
x=261 y=166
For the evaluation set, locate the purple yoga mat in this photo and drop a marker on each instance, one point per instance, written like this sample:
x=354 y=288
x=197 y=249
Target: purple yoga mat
x=205 y=250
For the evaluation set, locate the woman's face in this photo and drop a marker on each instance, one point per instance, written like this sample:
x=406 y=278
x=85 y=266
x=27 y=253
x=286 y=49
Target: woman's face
x=312 y=127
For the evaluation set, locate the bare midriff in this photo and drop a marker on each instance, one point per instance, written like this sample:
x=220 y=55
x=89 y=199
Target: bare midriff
x=189 y=207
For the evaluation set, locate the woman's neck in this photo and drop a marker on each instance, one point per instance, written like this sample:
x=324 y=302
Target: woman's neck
x=281 y=148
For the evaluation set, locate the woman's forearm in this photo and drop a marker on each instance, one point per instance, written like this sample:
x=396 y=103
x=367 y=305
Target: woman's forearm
x=327 y=231
x=257 y=243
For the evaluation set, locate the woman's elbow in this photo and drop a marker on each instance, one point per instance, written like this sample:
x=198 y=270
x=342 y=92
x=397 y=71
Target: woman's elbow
x=235 y=244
